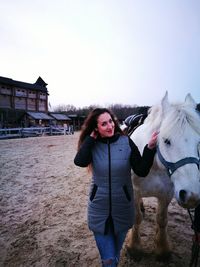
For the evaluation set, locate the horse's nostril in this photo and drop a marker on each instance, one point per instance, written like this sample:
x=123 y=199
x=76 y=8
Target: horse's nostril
x=182 y=195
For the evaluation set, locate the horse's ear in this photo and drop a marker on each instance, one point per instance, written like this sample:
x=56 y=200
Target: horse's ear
x=165 y=103
x=190 y=101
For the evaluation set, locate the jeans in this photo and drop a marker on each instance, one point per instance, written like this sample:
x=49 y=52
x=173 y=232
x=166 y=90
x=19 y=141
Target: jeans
x=109 y=247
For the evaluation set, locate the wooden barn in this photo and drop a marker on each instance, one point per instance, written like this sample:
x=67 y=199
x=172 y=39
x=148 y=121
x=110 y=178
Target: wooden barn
x=76 y=121
x=37 y=119
x=18 y=97
x=60 y=119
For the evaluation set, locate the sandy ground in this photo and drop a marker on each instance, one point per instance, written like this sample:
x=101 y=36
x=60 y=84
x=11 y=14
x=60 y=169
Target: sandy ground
x=43 y=202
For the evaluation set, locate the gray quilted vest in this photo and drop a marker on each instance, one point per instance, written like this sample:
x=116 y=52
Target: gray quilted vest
x=111 y=192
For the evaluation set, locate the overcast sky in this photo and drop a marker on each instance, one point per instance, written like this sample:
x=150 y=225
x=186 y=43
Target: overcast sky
x=103 y=51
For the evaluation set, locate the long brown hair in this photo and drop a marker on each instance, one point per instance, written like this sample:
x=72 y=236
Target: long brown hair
x=90 y=123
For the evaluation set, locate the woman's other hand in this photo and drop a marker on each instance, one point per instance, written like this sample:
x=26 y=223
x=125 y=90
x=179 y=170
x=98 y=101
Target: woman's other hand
x=94 y=134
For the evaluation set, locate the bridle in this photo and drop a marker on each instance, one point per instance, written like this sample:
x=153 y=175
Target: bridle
x=173 y=166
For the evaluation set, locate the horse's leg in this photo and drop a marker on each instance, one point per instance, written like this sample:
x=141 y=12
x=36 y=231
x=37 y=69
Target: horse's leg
x=162 y=244
x=133 y=237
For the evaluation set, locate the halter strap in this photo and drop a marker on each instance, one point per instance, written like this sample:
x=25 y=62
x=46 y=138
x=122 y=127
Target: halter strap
x=172 y=166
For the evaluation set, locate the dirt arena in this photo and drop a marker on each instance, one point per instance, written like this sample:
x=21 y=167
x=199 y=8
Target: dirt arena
x=43 y=202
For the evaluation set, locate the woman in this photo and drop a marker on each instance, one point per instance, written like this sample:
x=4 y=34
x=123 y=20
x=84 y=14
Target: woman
x=110 y=156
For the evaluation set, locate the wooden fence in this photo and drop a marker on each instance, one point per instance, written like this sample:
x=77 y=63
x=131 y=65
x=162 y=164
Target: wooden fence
x=34 y=131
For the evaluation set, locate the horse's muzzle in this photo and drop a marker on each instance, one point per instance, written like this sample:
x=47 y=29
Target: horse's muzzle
x=188 y=200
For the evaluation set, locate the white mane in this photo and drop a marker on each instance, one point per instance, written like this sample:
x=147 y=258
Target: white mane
x=177 y=118
x=154 y=117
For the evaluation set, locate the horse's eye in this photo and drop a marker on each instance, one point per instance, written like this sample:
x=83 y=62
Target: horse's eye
x=167 y=142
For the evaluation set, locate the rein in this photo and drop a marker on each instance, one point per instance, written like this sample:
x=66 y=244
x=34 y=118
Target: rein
x=195 y=245
x=173 y=166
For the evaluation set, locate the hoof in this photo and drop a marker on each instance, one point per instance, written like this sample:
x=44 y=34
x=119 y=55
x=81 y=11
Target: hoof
x=135 y=254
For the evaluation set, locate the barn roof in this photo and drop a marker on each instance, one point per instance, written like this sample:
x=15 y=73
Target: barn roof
x=39 y=85
x=39 y=115
x=60 y=117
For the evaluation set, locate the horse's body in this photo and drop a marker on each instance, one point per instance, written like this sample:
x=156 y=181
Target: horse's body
x=179 y=137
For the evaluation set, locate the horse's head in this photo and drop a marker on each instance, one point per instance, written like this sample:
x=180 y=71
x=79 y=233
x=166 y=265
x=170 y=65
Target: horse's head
x=179 y=148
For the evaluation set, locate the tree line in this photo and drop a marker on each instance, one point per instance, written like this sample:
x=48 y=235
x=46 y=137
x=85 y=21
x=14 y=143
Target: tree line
x=121 y=111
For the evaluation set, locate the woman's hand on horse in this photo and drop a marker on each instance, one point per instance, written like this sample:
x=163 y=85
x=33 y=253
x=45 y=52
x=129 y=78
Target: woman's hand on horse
x=153 y=141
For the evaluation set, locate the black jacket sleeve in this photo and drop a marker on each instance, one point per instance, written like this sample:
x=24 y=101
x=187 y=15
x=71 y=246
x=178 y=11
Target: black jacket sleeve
x=141 y=165
x=84 y=156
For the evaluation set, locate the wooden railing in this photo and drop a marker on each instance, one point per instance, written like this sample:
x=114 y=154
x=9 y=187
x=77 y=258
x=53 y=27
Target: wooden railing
x=7 y=133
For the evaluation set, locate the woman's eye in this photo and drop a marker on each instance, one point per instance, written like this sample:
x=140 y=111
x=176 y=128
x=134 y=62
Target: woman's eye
x=167 y=142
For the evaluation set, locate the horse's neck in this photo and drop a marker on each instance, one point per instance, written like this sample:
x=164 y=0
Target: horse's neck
x=141 y=136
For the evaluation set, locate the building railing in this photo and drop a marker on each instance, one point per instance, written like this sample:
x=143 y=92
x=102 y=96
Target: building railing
x=7 y=133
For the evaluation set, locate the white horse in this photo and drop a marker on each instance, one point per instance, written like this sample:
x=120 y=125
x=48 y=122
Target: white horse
x=175 y=171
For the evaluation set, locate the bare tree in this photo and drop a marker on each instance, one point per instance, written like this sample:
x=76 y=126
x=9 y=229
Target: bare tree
x=65 y=108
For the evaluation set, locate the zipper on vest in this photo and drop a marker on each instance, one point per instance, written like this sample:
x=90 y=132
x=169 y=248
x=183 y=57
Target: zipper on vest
x=109 y=177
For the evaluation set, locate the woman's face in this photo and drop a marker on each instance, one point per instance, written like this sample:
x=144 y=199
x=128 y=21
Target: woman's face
x=105 y=125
